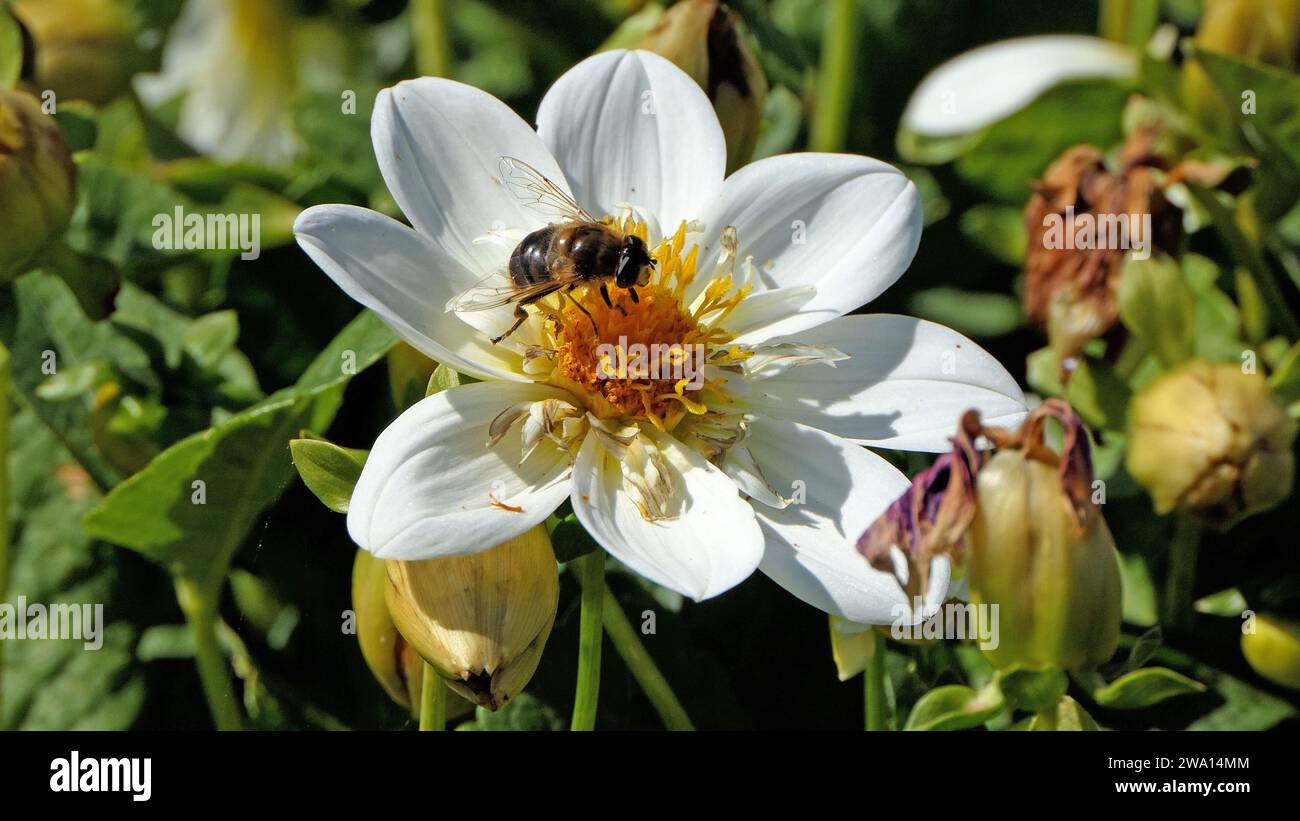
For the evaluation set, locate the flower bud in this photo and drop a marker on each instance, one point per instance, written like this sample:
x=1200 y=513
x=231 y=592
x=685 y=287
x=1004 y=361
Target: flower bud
x=1054 y=576
x=392 y=660
x=1210 y=439
x=37 y=180
x=84 y=49
x=480 y=620
x=1273 y=650
x=397 y=667
x=701 y=38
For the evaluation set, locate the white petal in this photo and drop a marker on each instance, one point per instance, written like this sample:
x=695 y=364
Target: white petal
x=905 y=385
x=439 y=144
x=983 y=85
x=811 y=544
x=432 y=486
x=406 y=280
x=713 y=543
x=847 y=225
x=631 y=127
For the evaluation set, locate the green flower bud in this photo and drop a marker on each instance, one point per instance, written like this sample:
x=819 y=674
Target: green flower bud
x=85 y=49
x=481 y=620
x=1210 y=439
x=1040 y=550
x=1273 y=650
x=701 y=38
x=37 y=180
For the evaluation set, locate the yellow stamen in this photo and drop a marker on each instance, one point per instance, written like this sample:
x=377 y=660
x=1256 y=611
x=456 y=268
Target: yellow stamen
x=642 y=360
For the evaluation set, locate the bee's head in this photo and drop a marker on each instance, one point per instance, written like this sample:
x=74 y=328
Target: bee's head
x=634 y=263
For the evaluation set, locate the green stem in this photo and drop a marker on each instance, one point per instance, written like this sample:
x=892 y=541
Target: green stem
x=874 y=684
x=1180 y=577
x=432 y=39
x=4 y=495
x=628 y=644
x=591 y=575
x=830 y=118
x=200 y=608
x=433 y=700
x=1128 y=21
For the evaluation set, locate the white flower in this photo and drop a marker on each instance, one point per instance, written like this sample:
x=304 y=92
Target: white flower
x=975 y=89
x=233 y=61
x=761 y=466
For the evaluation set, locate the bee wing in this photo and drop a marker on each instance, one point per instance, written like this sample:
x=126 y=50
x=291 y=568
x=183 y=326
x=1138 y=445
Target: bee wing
x=539 y=193
x=489 y=294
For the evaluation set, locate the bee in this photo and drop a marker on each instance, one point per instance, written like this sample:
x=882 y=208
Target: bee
x=574 y=248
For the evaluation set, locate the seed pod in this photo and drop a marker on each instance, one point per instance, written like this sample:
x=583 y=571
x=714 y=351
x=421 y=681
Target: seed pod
x=1210 y=439
x=480 y=620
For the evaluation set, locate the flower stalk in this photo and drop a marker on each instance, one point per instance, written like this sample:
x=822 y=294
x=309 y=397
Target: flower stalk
x=1180 y=579
x=591 y=576
x=830 y=119
x=199 y=604
x=874 y=684
x=432 y=38
x=652 y=682
x=433 y=701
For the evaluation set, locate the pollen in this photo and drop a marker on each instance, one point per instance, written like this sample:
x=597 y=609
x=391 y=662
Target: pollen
x=643 y=358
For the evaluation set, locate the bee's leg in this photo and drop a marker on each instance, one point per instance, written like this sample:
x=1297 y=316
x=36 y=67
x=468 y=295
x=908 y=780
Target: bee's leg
x=604 y=294
x=632 y=291
x=569 y=293
x=520 y=316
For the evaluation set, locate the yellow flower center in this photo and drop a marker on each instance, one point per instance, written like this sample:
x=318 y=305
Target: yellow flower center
x=643 y=359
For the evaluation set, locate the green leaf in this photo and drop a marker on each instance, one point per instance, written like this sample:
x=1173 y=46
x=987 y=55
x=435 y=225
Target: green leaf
x=193 y=505
x=955 y=707
x=76 y=120
x=443 y=378
x=59 y=684
x=11 y=49
x=974 y=314
x=329 y=471
x=211 y=337
x=524 y=712
x=997 y=230
x=1156 y=304
x=1276 y=97
x=1143 y=688
x=1067 y=716
x=1244 y=708
x=1098 y=394
x=570 y=540
x=1018 y=149
x=1032 y=688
